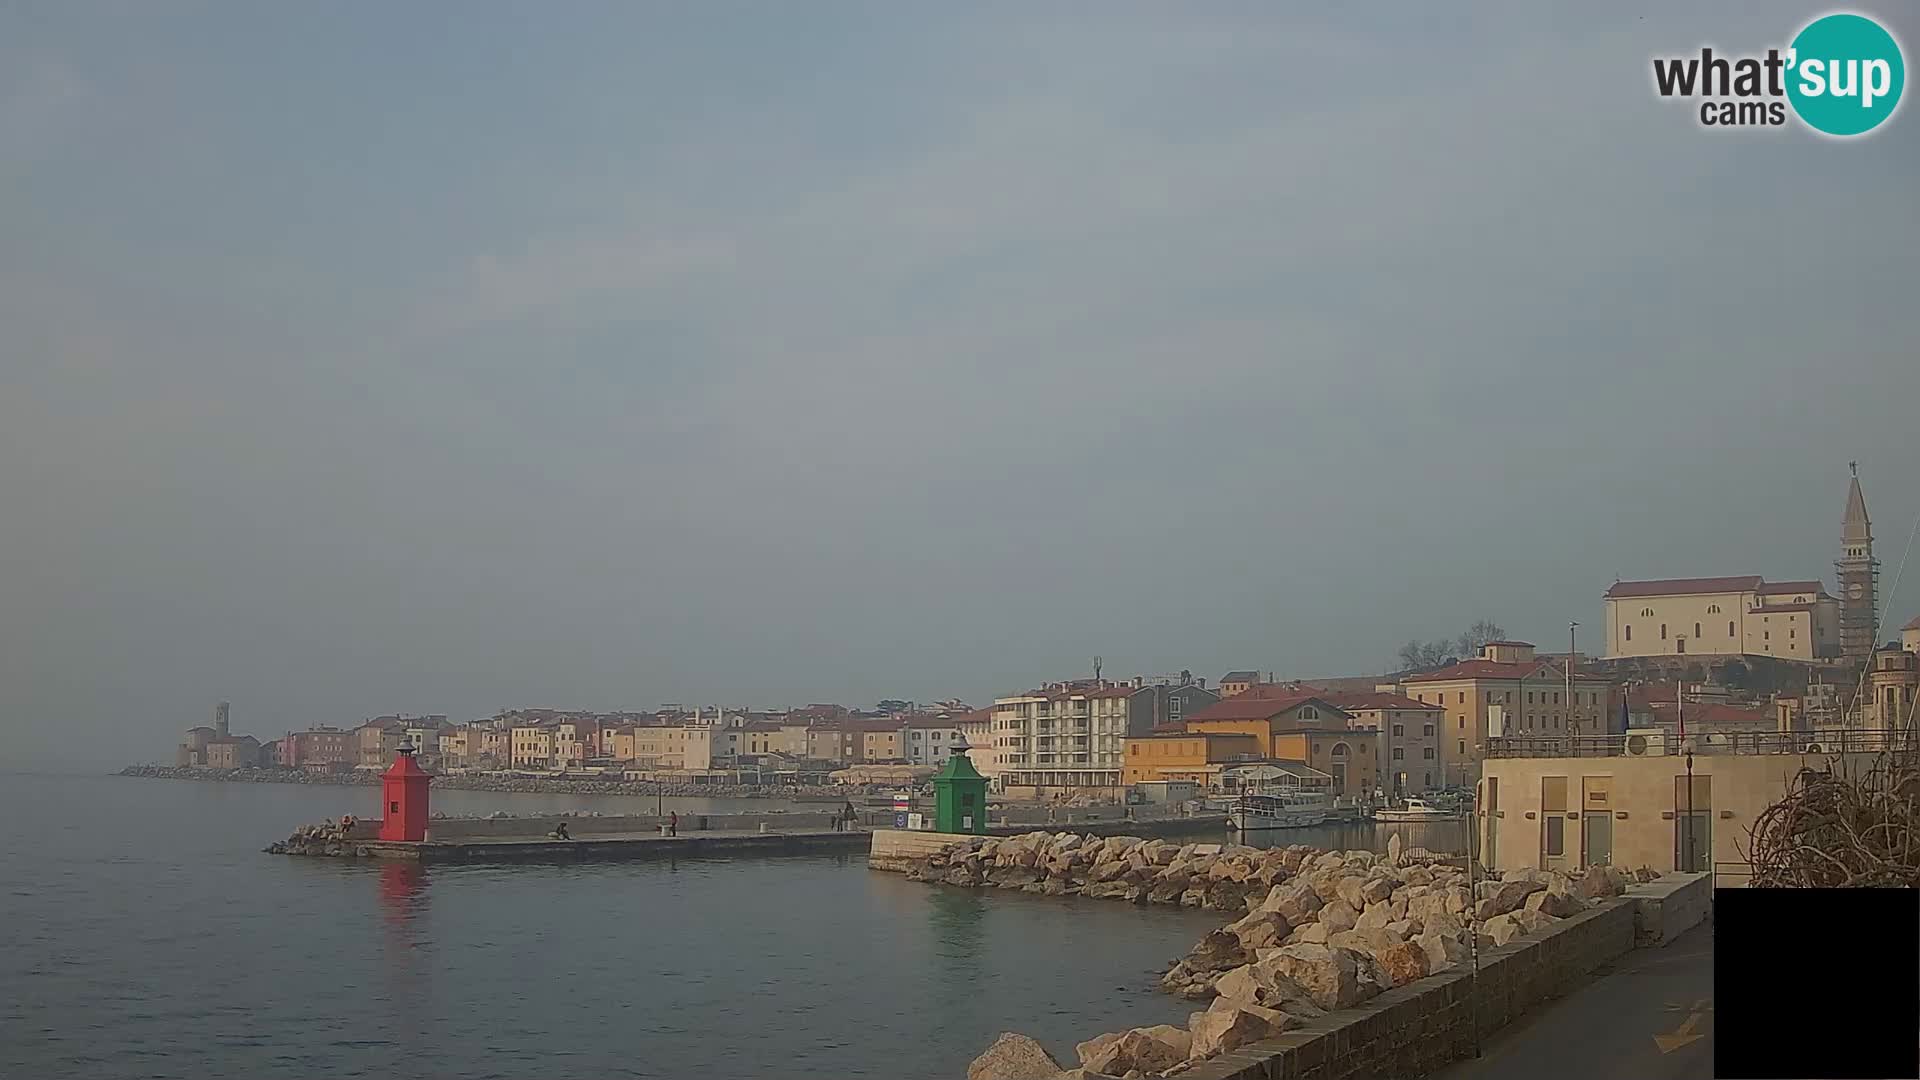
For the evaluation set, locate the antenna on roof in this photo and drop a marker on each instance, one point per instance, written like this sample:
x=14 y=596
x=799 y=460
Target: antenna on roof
x=1096 y=669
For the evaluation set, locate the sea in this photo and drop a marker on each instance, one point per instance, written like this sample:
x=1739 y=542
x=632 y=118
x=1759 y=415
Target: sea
x=147 y=936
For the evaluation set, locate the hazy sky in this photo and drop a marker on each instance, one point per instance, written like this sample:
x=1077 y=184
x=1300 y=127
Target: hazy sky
x=433 y=357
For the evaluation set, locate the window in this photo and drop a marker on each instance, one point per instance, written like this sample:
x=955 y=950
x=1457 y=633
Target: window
x=1463 y=747
x=1529 y=697
x=1729 y=627
x=1308 y=712
x=1663 y=631
x=1427 y=730
x=1647 y=611
x=1696 y=629
x=1429 y=755
x=1463 y=723
x=1399 y=730
x=1398 y=754
x=1766 y=635
x=1339 y=749
x=1713 y=609
x=1429 y=775
x=1791 y=633
x=1461 y=698
x=1629 y=631
x=1556 y=829
x=1556 y=697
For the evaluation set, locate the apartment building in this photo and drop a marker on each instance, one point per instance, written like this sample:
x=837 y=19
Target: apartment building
x=1507 y=689
x=1062 y=739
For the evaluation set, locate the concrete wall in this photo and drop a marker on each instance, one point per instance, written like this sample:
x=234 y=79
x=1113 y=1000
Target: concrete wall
x=1669 y=907
x=482 y=828
x=1416 y=1029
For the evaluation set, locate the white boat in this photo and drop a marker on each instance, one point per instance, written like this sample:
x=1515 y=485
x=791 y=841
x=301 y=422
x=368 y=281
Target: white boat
x=1415 y=810
x=1288 y=810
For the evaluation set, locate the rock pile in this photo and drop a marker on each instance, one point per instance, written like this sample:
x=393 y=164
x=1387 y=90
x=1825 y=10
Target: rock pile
x=325 y=839
x=1320 y=930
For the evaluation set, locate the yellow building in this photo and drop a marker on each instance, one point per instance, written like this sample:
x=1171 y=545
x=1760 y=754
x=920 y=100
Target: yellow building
x=1195 y=756
x=1238 y=682
x=1633 y=806
x=1507 y=689
x=532 y=746
x=1725 y=616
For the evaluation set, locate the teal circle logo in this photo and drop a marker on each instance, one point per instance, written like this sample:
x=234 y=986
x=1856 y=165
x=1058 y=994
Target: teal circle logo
x=1845 y=74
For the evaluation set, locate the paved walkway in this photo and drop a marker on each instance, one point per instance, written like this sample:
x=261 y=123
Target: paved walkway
x=1649 y=1017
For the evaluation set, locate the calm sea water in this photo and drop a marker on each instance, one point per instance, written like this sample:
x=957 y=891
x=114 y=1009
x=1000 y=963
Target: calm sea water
x=148 y=937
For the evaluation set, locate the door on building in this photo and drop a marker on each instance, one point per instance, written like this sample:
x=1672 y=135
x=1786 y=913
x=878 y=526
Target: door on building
x=1554 y=854
x=1692 y=824
x=1596 y=821
x=1490 y=813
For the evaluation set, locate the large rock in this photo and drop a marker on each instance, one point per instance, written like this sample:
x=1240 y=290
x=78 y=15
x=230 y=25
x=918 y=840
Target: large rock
x=1600 y=882
x=1014 y=1057
x=1219 y=1030
x=1377 y=890
x=1296 y=900
x=1218 y=951
x=1377 y=916
x=1313 y=932
x=1560 y=905
x=1262 y=985
x=1330 y=976
x=1443 y=950
x=1150 y=1050
x=1352 y=889
x=1404 y=962
x=1506 y=896
x=1532 y=921
x=1261 y=930
x=1097 y=1045
x=1502 y=928
x=1339 y=916
x=1393 y=849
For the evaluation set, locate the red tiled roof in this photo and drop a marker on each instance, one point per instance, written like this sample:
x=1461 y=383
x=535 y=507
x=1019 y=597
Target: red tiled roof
x=1516 y=644
x=1240 y=676
x=1249 y=707
x=929 y=720
x=1772 y=587
x=1357 y=702
x=1685 y=586
x=1481 y=669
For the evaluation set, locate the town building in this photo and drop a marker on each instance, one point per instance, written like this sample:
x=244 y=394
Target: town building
x=319 y=748
x=929 y=739
x=1166 y=699
x=1506 y=689
x=1408 y=731
x=1632 y=800
x=1910 y=635
x=1722 y=617
x=233 y=752
x=378 y=739
x=1893 y=684
x=977 y=728
x=1237 y=682
x=1063 y=739
x=1194 y=756
x=1298 y=725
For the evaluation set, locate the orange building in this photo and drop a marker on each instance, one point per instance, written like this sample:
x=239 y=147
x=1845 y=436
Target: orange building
x=1195 y=756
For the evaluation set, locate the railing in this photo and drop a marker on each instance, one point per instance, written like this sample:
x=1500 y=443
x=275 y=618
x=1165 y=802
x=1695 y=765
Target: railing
x=1669 y=743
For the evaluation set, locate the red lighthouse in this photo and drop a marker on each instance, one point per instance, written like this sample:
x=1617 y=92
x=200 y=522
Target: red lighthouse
x=403 y=797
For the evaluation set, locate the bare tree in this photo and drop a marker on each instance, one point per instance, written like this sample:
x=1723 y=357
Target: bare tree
x=1417 y=655
x=1481 y=632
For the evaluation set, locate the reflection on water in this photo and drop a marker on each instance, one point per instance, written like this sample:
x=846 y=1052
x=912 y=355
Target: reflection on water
x=403 y=892
x=1449 y=837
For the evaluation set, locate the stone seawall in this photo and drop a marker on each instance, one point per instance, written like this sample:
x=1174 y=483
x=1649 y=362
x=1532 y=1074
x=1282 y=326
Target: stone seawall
x=1415 y=1029
x=901 y=851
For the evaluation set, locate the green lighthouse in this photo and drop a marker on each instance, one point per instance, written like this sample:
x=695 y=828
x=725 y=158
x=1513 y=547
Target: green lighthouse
x=959 y=795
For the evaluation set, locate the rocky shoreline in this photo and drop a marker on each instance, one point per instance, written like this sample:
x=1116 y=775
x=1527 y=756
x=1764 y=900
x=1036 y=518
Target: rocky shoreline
x=1318 y=931
x=510 y=784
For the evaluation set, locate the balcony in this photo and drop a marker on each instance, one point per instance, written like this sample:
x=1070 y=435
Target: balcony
x=1669 y=743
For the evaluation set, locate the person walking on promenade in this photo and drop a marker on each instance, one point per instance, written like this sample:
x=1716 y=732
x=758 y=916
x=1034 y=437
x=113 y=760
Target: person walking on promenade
x=673 y=824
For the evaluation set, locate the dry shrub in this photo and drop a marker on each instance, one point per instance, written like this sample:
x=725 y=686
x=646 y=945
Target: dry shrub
x=1842 y=827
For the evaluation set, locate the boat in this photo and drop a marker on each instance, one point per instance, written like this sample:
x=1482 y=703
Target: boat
x=1286 y=810
x=1415 y=810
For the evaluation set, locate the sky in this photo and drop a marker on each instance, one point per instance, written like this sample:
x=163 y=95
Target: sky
x=361 y=358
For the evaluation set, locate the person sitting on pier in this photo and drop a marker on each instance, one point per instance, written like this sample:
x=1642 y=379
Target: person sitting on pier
x=560 y=832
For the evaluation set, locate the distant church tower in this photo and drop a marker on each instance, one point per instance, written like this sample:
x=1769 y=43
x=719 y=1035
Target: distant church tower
x=1857 y=573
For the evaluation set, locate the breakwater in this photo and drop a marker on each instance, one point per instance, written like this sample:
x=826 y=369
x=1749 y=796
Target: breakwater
x=1343 y=964
x=519 y=785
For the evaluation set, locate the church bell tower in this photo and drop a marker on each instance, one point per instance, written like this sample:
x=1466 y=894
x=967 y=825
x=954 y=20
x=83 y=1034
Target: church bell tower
x=1857 y=574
